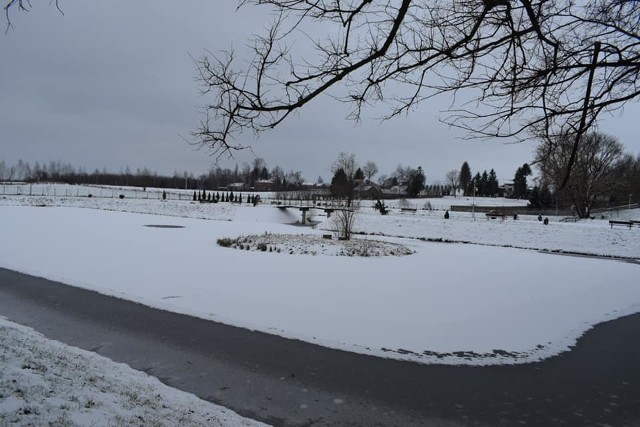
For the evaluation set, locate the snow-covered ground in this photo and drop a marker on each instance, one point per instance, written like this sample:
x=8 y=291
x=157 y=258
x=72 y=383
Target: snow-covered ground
x=481 y=303
x=44 y=382
x=445 y=303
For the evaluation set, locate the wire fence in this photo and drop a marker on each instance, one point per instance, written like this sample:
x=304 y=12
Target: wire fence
x=83 y=191
x=107 y=192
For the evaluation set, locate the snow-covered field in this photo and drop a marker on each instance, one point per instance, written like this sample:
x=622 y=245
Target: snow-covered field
x=482 y=303
x=487 y=302
x=44 y=382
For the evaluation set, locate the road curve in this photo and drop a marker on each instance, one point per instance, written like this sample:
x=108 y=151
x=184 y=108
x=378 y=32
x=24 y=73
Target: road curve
x=291 y=383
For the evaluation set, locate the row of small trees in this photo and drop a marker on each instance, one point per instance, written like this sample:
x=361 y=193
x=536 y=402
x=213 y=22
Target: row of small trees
x=229 y=197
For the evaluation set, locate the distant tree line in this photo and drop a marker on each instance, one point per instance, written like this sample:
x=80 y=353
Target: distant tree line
x=56 y=171
x=602 y=175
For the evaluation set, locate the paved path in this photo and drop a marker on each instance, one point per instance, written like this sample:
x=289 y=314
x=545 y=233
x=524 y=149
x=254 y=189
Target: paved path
x=287 y=382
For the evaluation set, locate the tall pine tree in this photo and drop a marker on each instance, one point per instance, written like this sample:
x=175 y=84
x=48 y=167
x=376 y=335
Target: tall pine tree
x=465 y=179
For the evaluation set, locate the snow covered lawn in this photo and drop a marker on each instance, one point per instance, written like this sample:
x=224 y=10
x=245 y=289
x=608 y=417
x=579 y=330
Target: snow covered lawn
x=44 y=382
x=592 y=237
x=445 y=303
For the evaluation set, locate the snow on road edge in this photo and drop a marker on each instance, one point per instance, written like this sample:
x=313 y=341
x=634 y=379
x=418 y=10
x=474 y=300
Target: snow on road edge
x=45 y=382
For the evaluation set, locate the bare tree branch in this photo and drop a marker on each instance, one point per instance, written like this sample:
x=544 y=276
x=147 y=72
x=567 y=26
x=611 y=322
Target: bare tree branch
x=23 y=5
x=524 y=66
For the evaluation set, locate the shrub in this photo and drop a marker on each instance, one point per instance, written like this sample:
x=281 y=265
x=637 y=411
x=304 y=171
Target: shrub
x=225 y=242
x=121 y=196
x=262 y=247
x=381 y=207
x=446 y=214
x=343 y=220
x=546 y=221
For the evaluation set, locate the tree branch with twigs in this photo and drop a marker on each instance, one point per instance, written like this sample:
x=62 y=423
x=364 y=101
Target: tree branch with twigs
x=513 y=69
x=523 y=65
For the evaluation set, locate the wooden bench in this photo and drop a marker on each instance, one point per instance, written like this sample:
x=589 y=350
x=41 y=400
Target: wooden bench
x=625 y=223
x=495 y=214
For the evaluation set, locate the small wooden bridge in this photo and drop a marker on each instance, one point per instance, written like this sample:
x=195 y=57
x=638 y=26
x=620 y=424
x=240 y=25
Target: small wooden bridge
x=304 y=206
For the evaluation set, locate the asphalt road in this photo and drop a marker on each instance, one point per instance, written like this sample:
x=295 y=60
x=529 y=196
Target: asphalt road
x=287 y=382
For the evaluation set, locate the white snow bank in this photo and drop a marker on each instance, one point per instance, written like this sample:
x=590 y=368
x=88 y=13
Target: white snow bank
x=425 y=307
x=594 y=237
x=44 y=382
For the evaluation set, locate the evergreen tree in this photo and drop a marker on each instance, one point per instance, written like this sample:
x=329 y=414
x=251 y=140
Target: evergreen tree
x=194 y=196
x=476 y=182
x=264 y=174
x=217 y=196
x=520 y=181
x=416 y=182
x=546 y=198
x=484 y=184
x=465 y=179
x=359 y=174
x=493 y=183
x=534 y=198
x=341 y=186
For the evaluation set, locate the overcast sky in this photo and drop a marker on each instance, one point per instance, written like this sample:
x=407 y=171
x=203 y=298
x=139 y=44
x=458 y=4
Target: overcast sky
x=111 y=84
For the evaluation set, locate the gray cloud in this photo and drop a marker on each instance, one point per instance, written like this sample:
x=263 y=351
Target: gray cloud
x=112 y=84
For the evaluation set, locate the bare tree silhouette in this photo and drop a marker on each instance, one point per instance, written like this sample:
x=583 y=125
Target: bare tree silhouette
x=537 y=68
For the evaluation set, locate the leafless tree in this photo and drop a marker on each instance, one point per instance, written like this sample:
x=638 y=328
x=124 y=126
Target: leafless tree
x=346 y=162
x=343 y=181
x=294 y=178
x=402 y=173
x=541 y=67
x=258 y=164
x=344 y=220
x=370 y=169
x=594 y=172
x=453 y=180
